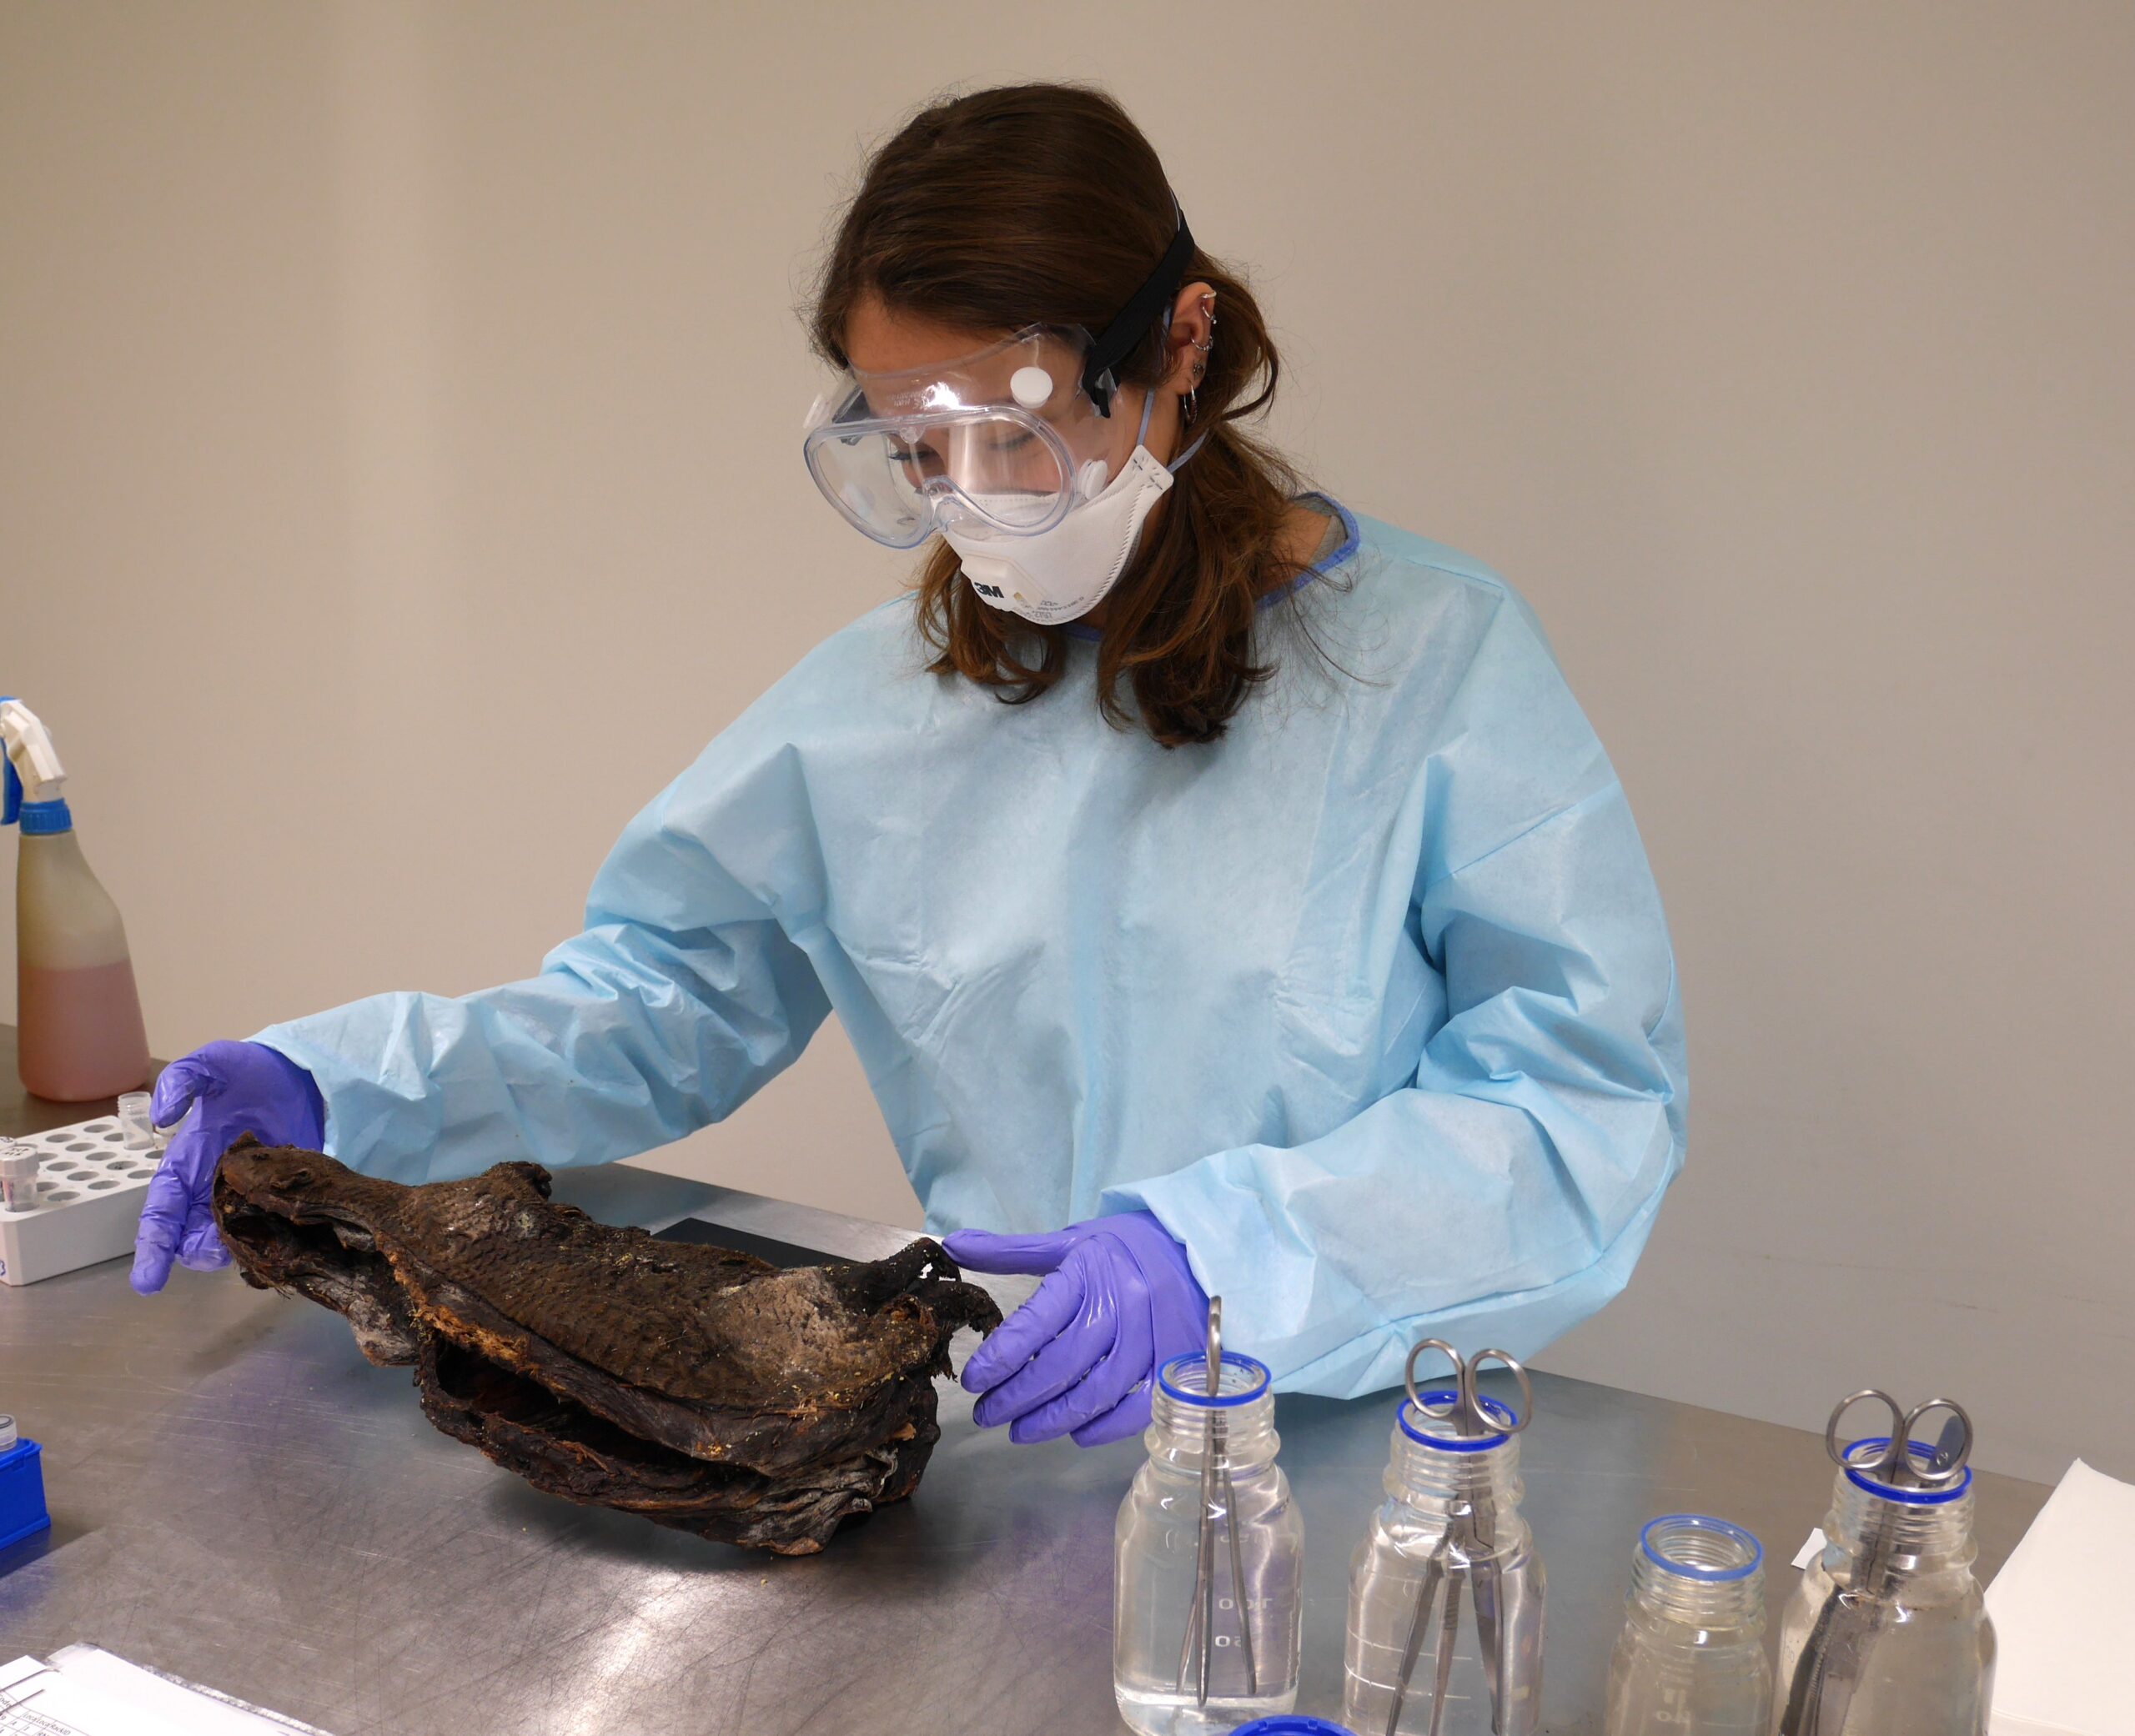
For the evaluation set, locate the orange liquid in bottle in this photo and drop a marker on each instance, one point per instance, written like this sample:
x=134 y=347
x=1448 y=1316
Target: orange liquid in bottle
x=80 y=1036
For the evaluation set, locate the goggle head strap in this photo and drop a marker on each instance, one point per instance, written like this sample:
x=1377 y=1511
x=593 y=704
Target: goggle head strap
x=1142 y=310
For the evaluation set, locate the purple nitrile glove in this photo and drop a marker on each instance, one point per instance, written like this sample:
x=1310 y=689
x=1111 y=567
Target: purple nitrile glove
x=233 y=1089
x=1080 y=1357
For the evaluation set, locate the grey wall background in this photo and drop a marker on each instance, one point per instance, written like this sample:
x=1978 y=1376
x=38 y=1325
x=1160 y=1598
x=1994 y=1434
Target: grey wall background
x=399 y=484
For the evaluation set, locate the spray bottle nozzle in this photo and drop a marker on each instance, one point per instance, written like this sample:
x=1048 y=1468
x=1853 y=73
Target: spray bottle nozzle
x=34 y=773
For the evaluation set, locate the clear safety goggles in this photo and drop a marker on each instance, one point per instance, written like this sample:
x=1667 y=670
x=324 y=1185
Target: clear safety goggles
x=1000 y=443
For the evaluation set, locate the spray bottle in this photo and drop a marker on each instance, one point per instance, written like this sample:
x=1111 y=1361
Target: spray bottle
x=80 y=1014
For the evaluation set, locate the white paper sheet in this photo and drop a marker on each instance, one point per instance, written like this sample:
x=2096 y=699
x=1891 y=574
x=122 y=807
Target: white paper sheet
x=37 y=1700
x=2064 y=1615
x=85 y=1691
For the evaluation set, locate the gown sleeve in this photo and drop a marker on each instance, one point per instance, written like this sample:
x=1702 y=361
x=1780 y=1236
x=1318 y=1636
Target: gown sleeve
x=1504 y=1192
x=685 y=993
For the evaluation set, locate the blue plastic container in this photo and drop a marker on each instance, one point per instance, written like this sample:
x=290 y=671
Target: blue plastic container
x=21 y=1493
x=1291 y=1725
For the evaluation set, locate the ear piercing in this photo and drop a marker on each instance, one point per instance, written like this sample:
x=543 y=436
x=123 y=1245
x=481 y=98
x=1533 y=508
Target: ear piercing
x=1189 y=404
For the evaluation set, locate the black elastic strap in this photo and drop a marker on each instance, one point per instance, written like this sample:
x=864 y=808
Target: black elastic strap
x=1141 y=312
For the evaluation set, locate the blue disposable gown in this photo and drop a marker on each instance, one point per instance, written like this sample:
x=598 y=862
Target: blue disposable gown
x=1370 y=1002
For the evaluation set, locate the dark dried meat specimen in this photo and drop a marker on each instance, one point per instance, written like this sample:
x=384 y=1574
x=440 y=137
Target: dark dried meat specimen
x=698 y=1385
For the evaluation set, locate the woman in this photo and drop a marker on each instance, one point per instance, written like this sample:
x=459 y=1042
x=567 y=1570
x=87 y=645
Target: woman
x=1196 y=866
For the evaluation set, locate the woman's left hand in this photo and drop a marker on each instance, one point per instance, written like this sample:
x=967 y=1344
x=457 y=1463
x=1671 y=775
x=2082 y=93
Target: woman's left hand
x=1118 y=1301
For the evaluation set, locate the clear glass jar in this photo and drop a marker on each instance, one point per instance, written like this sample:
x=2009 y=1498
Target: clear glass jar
x=1888 y=1633
x=1252 y=1545
x=1449 y=1533
x=1690 y=1659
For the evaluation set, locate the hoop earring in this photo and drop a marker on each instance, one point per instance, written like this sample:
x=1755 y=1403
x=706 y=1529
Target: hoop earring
x=1189 y=406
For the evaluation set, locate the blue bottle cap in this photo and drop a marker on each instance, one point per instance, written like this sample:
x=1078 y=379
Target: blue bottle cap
x=45 y=819
x=1289 y=1725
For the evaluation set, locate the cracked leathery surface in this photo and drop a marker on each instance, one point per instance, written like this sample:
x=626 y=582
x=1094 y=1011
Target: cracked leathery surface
x=698 y=1385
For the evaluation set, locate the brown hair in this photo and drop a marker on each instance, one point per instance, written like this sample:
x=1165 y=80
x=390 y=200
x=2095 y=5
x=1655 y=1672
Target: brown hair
x=1043 y=204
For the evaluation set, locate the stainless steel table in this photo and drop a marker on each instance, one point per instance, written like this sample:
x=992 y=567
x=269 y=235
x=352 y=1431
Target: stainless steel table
x=238 y=1497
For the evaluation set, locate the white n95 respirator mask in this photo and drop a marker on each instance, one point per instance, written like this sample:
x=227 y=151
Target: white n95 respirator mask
x=1058 y=574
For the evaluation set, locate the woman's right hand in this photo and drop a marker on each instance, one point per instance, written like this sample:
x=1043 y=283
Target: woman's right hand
x=233 y=1089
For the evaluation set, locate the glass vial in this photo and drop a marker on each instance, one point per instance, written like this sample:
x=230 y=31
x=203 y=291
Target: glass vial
x=1888 y=1633
x=1690 y=1659
x=1209 y=1547
x=1449 y=1538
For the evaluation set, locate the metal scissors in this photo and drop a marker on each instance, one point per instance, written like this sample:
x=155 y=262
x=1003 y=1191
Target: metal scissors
x=1896 y=1458
x=1216 y=1486
x=1468 y=1547
x=1829 y=1669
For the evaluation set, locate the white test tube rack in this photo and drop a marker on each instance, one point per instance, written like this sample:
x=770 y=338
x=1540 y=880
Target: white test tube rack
x=86 y=1204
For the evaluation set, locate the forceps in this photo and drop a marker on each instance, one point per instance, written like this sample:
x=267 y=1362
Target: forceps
x=1471 y=1532
x=1215 y=1484
x=1829 y=1668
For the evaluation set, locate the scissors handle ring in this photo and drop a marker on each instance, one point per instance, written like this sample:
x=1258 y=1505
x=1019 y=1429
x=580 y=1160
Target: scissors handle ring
x=1886 y=1462
x=1504 y=1359
x=1436 y=1412
x=1939 y=1473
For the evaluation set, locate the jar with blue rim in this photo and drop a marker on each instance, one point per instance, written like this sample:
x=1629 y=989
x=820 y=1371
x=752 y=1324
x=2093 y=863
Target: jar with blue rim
x=1446 y=1589
x=1888 y=1631
x=1690 y=1660
x=1208 y=1555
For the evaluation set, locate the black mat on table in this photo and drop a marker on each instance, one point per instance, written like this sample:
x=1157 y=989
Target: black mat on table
x=764 y=1247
